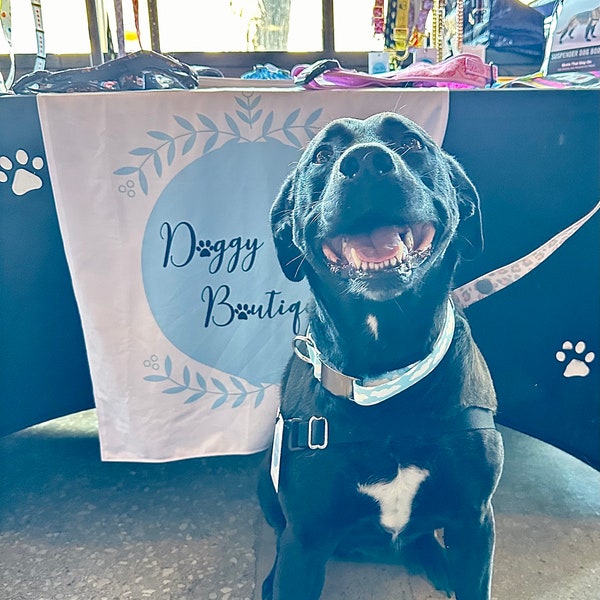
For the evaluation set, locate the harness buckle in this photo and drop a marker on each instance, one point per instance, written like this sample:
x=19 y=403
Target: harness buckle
x=312 y=434
x=324 y=432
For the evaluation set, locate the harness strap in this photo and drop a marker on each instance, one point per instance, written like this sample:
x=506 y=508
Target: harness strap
x=317 y=432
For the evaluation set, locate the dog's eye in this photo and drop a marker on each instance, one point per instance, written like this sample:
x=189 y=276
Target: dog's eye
x=323 y=155
x=410 y=144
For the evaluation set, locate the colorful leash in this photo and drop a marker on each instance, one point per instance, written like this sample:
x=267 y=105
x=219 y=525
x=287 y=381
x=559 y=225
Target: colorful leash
x=136 y=19
x=378 y=19
x=6 y=22
x=120 y=28
x=418 y=37
x=496 y=280
x=397 y=29
x=460 y=24
x=437 y=28
x=40 y=36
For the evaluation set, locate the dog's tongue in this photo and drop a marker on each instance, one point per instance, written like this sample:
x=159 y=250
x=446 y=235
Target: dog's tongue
x=377 y=246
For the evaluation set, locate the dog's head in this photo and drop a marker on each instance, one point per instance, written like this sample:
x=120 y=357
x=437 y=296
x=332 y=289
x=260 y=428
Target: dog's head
x=373 y=206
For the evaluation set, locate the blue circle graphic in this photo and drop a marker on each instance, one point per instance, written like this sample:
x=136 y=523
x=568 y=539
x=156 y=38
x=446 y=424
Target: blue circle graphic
x=209 y=267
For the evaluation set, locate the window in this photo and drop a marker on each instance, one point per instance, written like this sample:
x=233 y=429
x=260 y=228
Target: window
x=240 y=25
x=229 y=35
x=65 y=26
x=199 y=26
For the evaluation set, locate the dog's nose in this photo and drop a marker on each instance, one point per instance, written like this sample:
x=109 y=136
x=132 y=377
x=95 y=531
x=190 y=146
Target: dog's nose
x=369 y=160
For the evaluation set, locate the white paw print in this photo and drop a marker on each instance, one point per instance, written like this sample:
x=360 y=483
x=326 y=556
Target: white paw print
x=24 y=178
x=577 y=366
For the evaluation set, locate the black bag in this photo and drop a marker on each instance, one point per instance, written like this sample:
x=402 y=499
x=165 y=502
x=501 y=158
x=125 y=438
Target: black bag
x=504 y=26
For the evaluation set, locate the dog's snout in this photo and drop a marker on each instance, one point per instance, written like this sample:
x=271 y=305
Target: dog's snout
x=368 y=160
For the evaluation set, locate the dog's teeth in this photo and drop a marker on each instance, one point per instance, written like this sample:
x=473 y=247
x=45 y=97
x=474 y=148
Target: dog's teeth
x=364 y=266
x=409 y=240
x=402 y=252
x=330 y=254
x=355 y=259
x=372 y=266
x=393 y=262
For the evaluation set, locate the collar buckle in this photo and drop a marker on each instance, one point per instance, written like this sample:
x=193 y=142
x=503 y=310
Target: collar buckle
x=337 y=383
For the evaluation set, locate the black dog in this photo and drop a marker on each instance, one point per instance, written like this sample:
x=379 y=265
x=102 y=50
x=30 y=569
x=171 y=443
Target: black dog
x=391 y=425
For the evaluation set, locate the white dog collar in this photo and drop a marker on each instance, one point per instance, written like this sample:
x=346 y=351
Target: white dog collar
x=369 y=391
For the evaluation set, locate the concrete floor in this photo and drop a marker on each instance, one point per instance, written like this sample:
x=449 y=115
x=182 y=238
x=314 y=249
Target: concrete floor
x=74 y=528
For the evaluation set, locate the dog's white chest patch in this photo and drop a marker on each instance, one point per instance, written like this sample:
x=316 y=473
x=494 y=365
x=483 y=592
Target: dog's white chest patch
x=395 y=497
x=373 y=325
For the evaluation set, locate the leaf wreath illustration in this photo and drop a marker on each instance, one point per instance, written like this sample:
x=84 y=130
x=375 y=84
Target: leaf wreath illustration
x=165 y=146
x=201 y=388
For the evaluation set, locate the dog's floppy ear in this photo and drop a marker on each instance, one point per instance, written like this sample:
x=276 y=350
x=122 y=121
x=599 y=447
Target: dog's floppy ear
x=289 y=255
x=470 y=230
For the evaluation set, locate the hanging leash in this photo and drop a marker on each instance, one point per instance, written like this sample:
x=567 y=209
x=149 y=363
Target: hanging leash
x=40 y=36
x=120 y=28
x=136 y=20
x=397 y=28
x=6 y=22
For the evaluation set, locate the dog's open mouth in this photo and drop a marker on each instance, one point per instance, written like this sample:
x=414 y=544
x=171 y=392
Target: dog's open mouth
x=389 y=248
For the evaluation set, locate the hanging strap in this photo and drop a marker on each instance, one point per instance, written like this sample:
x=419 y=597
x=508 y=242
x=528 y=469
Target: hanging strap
x=40 y=36
x=397 y=27
x=6 y=22
x=136 y=20
x=120 y=28
x=418 y=36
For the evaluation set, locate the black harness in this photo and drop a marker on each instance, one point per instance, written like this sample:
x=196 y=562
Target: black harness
x=318 y=432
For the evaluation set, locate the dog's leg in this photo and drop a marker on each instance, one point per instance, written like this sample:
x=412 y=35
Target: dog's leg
x=299 y=570
x=424 y=556
x=470 y=547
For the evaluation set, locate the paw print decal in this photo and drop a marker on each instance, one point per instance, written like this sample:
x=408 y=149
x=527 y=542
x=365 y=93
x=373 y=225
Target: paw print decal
x=204 y=248
x=575 y=358
x=22 y=172
x=241 y=310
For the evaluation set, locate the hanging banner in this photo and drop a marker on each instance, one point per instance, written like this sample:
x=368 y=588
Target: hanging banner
x=164 y=213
